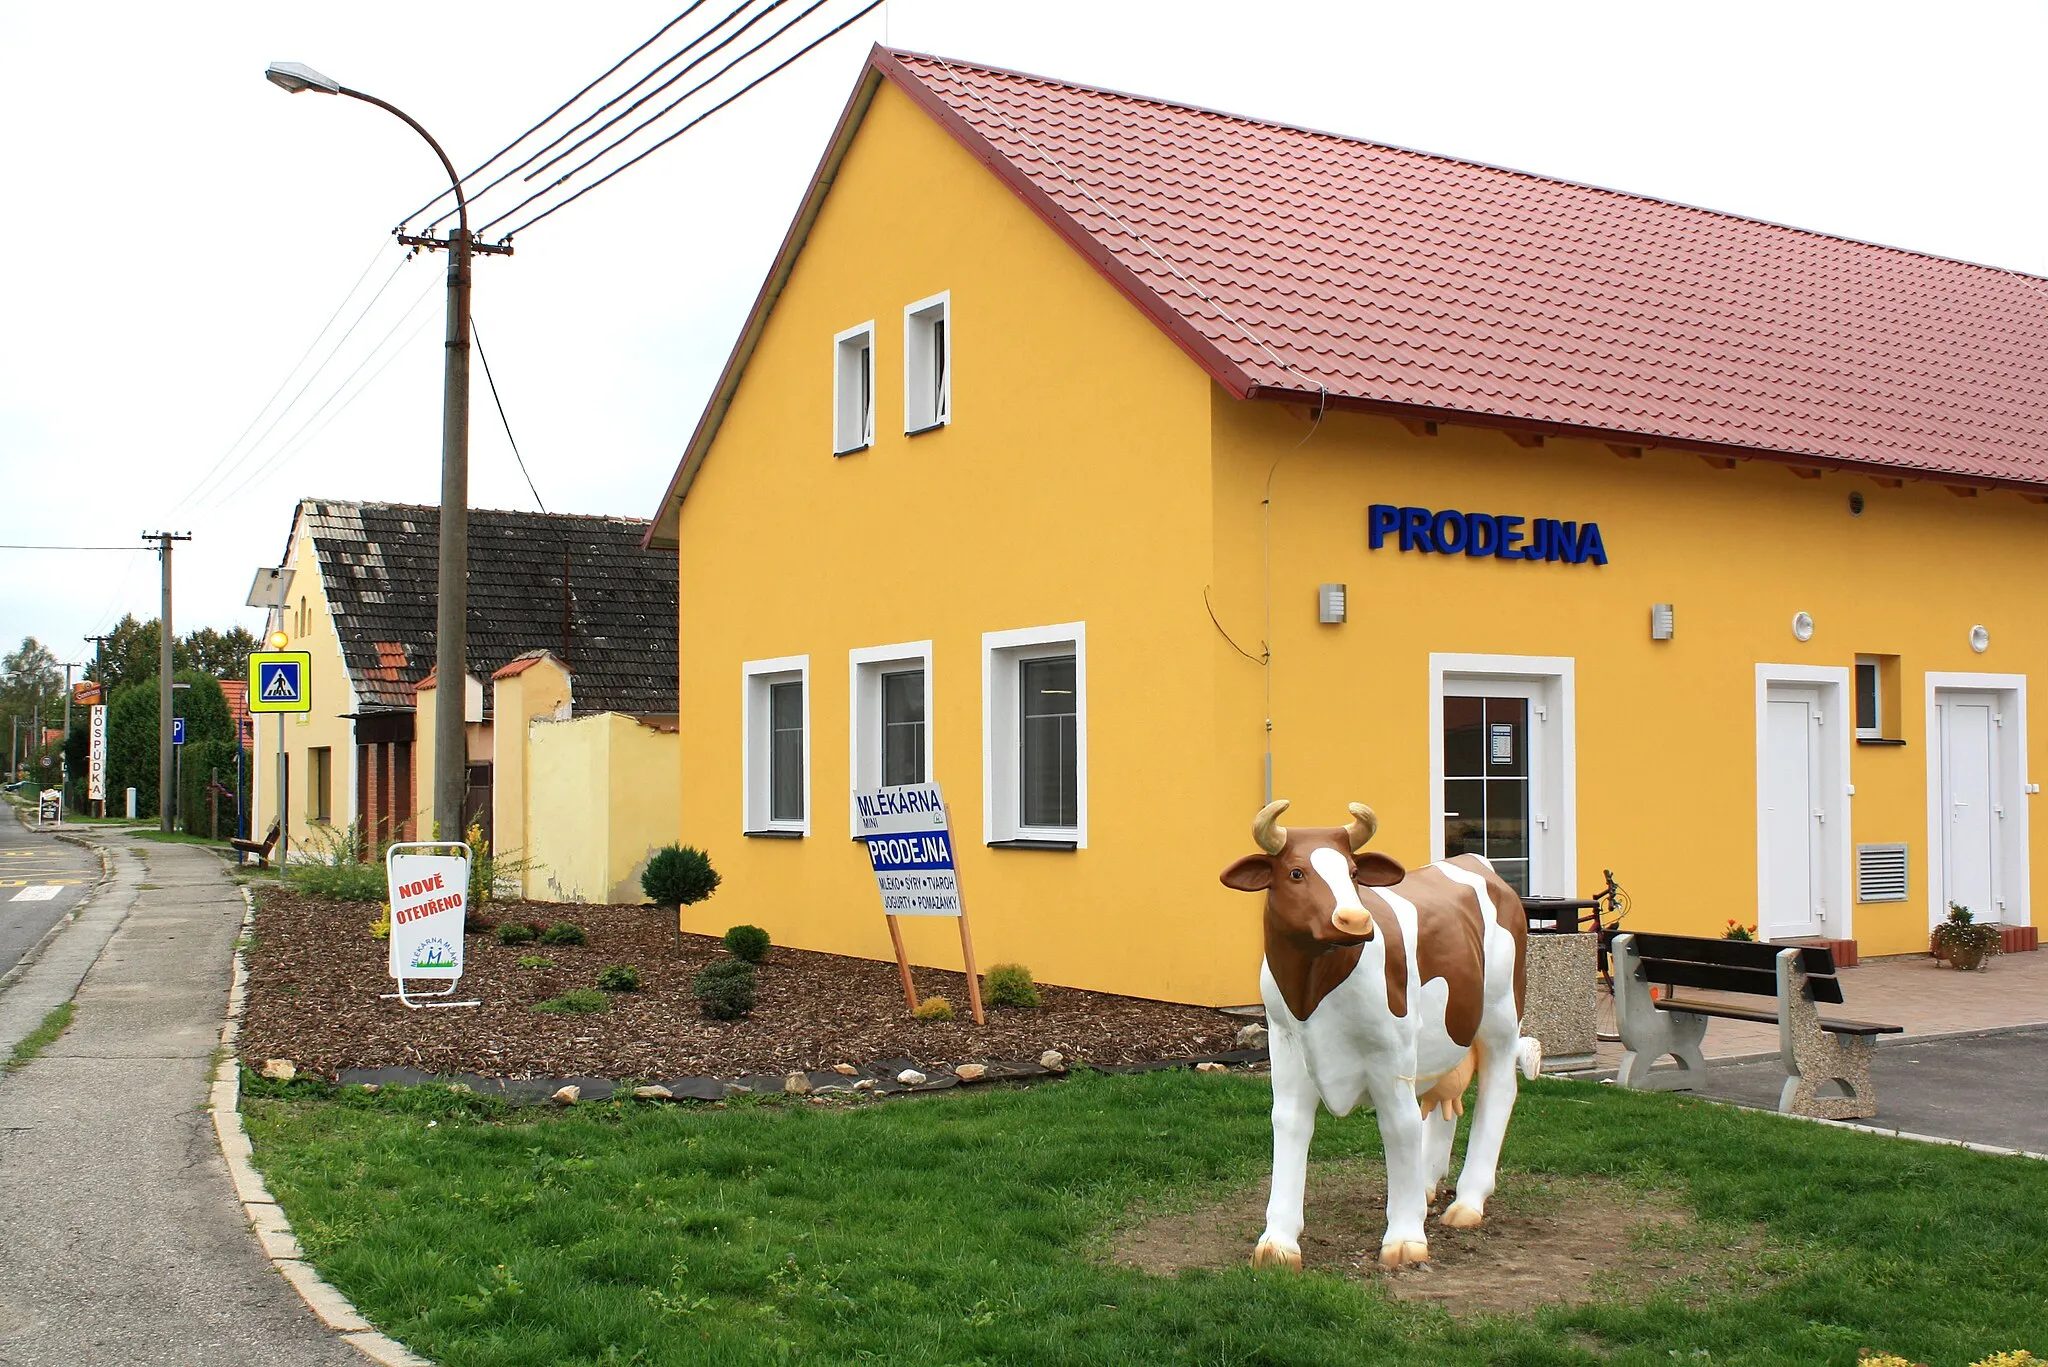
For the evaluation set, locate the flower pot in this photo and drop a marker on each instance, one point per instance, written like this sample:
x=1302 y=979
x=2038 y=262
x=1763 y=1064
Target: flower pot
x=1964 y=958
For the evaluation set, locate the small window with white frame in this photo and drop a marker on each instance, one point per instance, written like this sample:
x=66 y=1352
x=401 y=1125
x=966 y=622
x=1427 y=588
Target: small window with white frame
x=853 y=390
x=1035 y=730
x=890 y=725
x=775 y=777
x=928 y=364
x=1869 y=698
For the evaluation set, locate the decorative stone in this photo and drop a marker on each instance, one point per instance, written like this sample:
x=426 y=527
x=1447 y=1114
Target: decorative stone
x=1052 y=1060
x=866 y=1084
x=1252 y=1037
x=971 y=1072
x=1211 y=1067
x=279 y=1069
x=373 y=1087
x=734 y=1089
x=568 y=1096
x=910 y=1077
x=846 y=1069
x=654 y=1094
x=460 y=1087
x=796 y=1084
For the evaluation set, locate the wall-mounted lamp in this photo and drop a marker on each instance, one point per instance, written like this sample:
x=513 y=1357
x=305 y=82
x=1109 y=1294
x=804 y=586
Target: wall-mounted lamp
x=1660 y=621
x=1802 y=626
x=1980 y=639
x=1330 y=604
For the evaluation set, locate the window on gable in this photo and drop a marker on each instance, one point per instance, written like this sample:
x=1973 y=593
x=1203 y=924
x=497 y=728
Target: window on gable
x=853 y=390
x=928 y=364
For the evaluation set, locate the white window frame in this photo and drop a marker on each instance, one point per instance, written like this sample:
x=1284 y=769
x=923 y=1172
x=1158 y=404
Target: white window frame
x=1876 y=667
x=2015 y=794
x=1837 y=688
x=755 y=741
x=924 y=410
x=846 y=380
x=1549 y=681
x=865 y=668
x=1001 y=653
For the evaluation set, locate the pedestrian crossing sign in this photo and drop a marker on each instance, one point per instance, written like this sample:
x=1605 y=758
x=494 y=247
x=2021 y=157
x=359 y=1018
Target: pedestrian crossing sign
x=280 y=681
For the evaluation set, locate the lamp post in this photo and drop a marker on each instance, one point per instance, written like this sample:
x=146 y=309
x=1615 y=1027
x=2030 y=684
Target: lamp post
x=451 y=749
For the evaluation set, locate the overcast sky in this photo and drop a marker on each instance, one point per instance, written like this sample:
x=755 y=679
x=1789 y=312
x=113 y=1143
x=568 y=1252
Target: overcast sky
x=178 y=231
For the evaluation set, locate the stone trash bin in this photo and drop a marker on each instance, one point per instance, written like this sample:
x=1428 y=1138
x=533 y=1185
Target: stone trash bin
x=1561 y=1005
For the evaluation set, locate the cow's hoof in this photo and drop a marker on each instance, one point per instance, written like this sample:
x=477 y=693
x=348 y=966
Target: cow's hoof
x=1273 y=1253
x=1462 y=1216
x=1399 y=1253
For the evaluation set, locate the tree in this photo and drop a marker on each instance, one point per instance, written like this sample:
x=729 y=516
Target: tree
x=31 y=689
x=224 y=655
x=132 y=646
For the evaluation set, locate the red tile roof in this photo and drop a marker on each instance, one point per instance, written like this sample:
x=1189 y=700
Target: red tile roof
x=1291 y=262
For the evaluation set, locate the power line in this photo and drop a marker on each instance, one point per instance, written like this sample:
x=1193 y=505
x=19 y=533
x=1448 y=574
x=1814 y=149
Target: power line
x=723 y=20
x=694 y=7
x=11 y=546
x=799 y=53
x=478 y=337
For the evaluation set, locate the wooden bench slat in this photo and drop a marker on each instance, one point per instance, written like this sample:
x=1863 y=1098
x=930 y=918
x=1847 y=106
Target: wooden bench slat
x=1696 y=1007
x=1815 y=959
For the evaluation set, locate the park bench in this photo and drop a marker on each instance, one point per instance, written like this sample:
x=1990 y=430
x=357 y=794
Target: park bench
x=260 y=848
x=1814 y=1049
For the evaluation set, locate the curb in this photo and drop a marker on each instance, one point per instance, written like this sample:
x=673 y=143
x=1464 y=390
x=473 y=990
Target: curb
x=266 y=1218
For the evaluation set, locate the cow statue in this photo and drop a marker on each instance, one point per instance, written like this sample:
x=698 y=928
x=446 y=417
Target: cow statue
x=1392 y=987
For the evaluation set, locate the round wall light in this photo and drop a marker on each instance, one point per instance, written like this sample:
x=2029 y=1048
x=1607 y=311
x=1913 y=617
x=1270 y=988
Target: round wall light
x=1980 y=639
x=1856 y=503
x=1802 y=626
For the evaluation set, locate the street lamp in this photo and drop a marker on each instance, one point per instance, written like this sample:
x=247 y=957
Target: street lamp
x=451 y=750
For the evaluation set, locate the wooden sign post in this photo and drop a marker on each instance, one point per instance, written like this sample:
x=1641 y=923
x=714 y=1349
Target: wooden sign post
x=910 y=847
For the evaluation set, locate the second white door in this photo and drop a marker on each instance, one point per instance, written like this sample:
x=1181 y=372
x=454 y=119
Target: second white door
x=1794 y=852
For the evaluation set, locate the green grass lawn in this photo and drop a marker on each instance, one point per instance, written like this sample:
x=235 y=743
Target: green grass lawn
x=970 y=1228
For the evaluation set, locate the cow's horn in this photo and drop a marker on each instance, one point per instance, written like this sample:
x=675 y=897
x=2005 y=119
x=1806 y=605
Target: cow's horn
x=1361 y=826
x=1267 y=832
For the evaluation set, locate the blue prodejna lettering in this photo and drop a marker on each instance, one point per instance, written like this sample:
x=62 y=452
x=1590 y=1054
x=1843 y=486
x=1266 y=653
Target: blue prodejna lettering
x=1484 y=534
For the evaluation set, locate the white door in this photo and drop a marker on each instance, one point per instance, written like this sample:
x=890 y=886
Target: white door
x=1968 y=725
x=1793 y=886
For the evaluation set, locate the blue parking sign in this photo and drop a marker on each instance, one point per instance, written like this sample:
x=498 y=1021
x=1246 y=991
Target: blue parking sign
x=177 y=730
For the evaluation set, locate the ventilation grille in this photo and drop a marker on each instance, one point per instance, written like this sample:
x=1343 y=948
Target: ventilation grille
x=1880 y=873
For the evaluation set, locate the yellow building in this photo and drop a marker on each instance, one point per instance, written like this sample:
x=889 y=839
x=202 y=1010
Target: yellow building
x=1577 y=529
x=570 y=620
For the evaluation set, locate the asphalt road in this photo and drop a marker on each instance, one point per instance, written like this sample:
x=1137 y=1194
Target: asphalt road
x=1987 y=1089
x=41 y=879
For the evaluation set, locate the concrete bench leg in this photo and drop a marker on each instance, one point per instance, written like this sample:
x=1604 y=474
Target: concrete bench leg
x=1812 y=1056
x=1648 y=1034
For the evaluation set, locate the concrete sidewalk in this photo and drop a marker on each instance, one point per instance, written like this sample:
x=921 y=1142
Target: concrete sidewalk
x=125 y=1243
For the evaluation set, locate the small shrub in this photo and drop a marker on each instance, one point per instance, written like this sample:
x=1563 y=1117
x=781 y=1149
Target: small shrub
x=725 y=989
x=577 y=1001
x=535 y=961
x=513 y=933
x=474 y=924
x=678 y=876
x=934 y=1009
x=1738 y=931
x=330 y=864
x=492 y=877
x=620 y=978
x=381 y=927
x=747 y=942
x=564 y=933
x=1009 y=985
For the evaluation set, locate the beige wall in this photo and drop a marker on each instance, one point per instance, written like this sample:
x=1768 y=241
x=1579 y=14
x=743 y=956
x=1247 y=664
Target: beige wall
x=308 y=623
x=600 y=795
x=540 y=690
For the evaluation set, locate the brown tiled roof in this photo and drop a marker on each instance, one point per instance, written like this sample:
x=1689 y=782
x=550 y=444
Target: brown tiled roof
x=377 y=563
x=1297 y=262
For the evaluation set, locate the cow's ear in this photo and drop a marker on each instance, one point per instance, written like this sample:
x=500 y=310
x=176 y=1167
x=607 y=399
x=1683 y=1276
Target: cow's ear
x=1376 y=870
x=1253 y=873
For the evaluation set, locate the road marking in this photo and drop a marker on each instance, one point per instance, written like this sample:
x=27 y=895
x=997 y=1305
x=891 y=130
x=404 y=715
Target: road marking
x=47 y=892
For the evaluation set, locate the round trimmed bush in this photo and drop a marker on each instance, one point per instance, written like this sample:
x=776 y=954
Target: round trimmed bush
x=564 y=933
x=934 y=1009
x=1009 y=985
x=747 y=942
x=620 y=978
x=725 y=989
x=514 y=933
x=678 y=876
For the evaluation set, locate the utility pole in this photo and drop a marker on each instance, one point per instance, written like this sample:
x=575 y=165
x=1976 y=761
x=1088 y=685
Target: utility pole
x=99 y=660
x=451 y=614
x=164 y=748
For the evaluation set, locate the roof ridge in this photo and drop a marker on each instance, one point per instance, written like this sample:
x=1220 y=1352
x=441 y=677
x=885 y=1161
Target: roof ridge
x=359 y=505
x=1211 y=111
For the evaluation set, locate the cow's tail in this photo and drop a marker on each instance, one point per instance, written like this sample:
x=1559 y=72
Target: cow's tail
x=1529 y=1057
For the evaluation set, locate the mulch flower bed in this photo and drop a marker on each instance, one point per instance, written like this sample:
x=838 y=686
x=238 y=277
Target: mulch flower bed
x=316 y=974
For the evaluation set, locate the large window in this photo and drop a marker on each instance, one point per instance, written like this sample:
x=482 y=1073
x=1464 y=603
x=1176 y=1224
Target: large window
x=928 y=364
x=890 y=719
x=853 y=390
x=776 y=777
x=1036 y=722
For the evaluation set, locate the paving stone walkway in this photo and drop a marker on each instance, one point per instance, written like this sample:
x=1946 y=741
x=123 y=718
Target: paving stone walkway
x=124 y=1241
